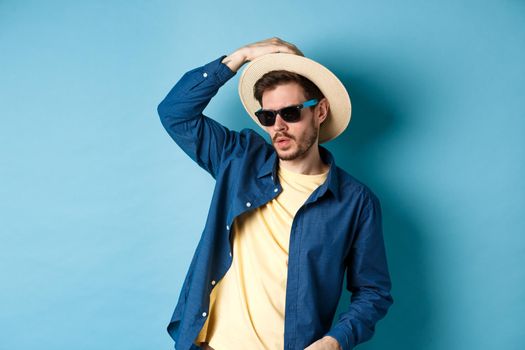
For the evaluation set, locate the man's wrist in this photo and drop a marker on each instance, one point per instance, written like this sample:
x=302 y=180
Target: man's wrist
x=235 y=60
x=333 y=342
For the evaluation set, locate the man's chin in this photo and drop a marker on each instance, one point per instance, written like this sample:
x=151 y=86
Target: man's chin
x=286 y=155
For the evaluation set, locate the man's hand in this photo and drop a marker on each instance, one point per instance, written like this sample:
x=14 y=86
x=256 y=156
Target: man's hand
x=249 y=52
x=325 y=343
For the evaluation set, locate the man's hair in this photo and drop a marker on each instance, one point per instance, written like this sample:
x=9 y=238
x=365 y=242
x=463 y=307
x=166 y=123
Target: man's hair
x=271 y=80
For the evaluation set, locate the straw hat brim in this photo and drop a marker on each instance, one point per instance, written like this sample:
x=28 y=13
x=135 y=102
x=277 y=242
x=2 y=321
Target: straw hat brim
x=340 y=107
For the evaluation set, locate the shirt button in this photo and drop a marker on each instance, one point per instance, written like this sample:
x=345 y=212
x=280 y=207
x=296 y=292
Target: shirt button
x=230 y=254
x=204 y=314
x=276 y=190
x=248 y=204
x=213 y=282
x=228 y=227
x=205 y=74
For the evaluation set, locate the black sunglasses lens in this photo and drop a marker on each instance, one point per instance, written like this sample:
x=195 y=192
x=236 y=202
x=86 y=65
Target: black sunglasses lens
x=291 y=114
x=266 y=118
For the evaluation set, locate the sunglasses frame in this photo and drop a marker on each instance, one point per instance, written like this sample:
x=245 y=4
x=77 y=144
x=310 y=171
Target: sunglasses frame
x=299 y=107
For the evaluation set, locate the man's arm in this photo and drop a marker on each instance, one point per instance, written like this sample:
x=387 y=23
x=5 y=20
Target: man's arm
x=181 y=112
x=368 y=280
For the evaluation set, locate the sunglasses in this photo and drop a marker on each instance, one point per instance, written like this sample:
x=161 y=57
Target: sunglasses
x=290 y=114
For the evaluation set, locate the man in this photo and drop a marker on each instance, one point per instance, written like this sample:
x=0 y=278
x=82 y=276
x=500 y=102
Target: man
x=285 y=222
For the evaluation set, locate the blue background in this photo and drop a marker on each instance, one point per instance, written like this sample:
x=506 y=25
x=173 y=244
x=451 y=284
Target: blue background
x=100 y=211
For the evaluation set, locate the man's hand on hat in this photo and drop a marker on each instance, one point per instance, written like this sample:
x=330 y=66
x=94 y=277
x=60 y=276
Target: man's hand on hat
x=250 y=52
x=325 y=343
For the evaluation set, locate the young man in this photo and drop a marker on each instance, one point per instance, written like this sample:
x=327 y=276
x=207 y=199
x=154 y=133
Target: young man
x=285 y=222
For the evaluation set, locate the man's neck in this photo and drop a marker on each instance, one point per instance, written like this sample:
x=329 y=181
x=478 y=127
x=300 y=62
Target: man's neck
x=311 y=164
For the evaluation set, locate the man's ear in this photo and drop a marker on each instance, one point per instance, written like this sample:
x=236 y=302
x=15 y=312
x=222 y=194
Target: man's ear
x=323 y=108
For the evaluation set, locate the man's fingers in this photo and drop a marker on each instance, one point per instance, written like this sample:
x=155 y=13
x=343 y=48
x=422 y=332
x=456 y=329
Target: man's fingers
x=281 y=46
x=267 y=46
x=285 y=46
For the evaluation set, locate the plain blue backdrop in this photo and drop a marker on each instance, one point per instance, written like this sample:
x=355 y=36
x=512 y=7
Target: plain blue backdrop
x=100 y=211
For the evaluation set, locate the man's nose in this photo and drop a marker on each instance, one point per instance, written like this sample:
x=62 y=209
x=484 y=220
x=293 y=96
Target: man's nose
x=280 y=124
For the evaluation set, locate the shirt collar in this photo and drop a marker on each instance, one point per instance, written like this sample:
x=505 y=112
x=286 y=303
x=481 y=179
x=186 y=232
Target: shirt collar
x=331 y=183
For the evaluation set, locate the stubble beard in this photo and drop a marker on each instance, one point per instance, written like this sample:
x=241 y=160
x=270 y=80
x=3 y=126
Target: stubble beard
x=302 y=147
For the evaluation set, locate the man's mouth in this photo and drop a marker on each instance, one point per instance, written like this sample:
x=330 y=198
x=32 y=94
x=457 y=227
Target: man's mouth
x=282 y=136
x=282 y=141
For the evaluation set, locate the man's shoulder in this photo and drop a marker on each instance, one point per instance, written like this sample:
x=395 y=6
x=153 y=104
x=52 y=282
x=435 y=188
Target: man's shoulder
x=350 y=186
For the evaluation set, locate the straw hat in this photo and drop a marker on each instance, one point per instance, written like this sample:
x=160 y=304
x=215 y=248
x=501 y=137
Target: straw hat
x=331 y=87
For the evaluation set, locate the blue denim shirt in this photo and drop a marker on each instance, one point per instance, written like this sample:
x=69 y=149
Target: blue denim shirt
x=337 y=229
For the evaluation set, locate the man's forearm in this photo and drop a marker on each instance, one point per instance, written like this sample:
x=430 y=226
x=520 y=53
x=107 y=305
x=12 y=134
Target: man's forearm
x=235 y=60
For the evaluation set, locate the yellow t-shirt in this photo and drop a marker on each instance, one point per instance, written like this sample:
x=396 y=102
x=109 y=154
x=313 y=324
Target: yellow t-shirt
x=247 y=304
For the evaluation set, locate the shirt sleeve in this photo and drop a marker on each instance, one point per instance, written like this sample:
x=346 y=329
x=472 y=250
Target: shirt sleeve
x=368 y=280
x=181 y=114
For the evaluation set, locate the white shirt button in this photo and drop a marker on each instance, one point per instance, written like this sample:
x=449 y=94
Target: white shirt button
x=276 y=190
x=213 y=282
x=204 y=314
x=248 y=204
x=230 y=254
x=228 y=227
x=205 y=74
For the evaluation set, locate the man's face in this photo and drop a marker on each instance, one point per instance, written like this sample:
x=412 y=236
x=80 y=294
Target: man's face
x=292 y=141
